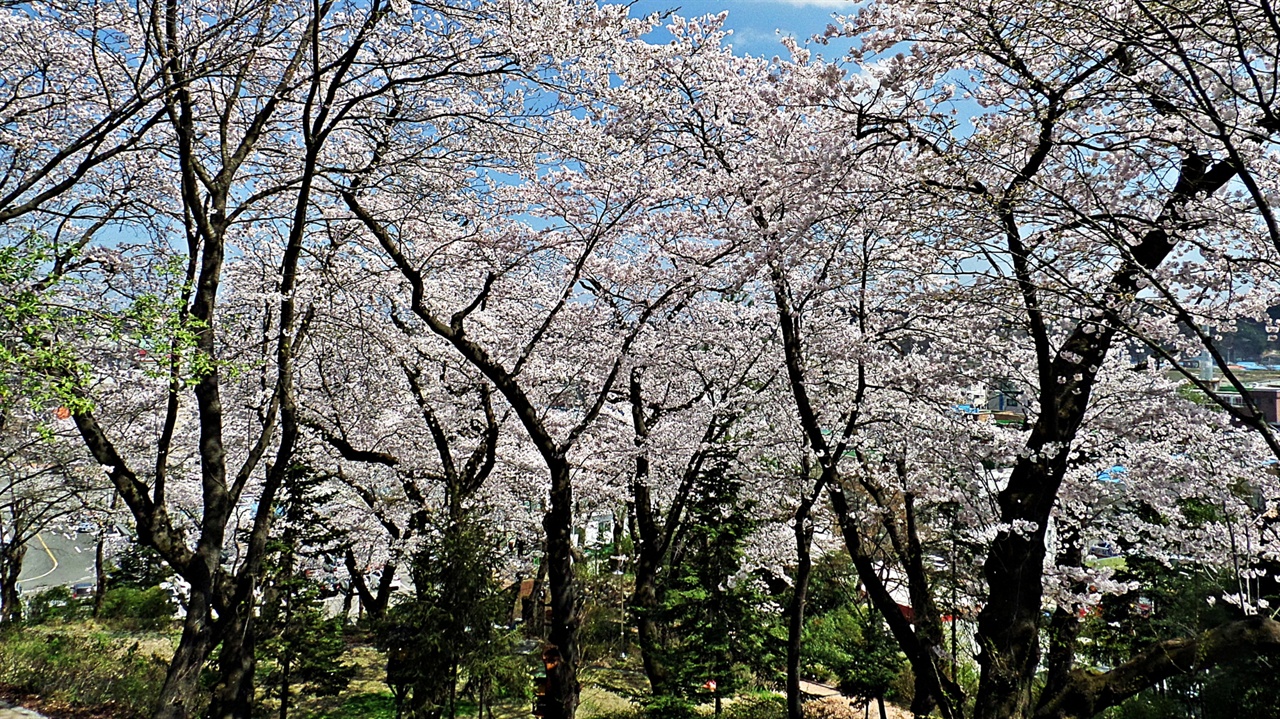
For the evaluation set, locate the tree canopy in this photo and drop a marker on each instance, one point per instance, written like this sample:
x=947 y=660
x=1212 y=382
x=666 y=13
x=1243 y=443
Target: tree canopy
x=959 y=302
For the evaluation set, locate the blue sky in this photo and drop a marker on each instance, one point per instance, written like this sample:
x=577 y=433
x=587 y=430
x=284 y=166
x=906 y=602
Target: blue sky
x=755 y=23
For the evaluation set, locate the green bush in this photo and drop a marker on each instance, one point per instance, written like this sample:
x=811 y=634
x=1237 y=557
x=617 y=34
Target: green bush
x=598 y=635
x=139 y=567
x=90 y=669
x=757 y=706
x=832 y=708
x=619 y=714
x=51 y=605
x=669 y=707
x=364 y=706
x=137 y=608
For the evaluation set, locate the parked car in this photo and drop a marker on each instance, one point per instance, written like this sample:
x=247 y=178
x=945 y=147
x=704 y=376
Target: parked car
x=80 y=590
x=1103 y=550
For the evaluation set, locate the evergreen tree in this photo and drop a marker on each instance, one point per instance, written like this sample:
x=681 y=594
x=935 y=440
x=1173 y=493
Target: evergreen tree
x=451 y=631
x=300 y=643
x=718 y=621
x=845 y=642
x=138 y=567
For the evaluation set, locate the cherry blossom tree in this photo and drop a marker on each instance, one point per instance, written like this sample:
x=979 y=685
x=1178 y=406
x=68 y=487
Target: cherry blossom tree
x=507 y=352
x=982 y=229
x=694 y=393
x=80 y=100
x=247 y=144
x=1058 y=206
x=485 y=256
x=410 y=434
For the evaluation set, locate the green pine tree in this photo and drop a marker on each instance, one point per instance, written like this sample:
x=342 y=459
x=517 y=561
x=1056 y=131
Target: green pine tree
x=451 y=633
x=720 y=625
x=300 y=644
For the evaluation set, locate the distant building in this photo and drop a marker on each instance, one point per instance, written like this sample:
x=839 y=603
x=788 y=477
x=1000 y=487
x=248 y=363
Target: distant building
x=594 y=531
x=999 y=402
x=1265 y=397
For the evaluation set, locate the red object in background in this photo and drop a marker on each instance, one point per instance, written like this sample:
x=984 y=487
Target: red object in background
x=711 y=684
x=62 y=413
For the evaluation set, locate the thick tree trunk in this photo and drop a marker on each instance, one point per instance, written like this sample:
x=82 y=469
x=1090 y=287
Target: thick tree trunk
x=233 y=694
x=1063 y=633
x=179 y=695
x=562 y=675
x=11 y=557
x=1010 y=621
x=644 y=599
x=795 y=610
x=377 y=609
x=650 y=550
x=1009 y=624
x=644 y=602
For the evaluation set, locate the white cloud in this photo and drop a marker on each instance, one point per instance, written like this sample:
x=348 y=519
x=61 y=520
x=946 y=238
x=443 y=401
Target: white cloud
x=755 y=39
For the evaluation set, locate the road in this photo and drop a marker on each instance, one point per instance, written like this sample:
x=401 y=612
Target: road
x=53 y=560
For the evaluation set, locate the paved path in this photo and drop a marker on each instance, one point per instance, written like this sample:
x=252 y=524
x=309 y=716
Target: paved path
x=821 y=691
x=54 y=560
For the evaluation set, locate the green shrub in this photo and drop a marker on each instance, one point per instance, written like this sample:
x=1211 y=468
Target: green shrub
x=139 y=567
x=364 y=706
x=619 y=714
x=832 y=708
x=51 y=605
x=757 y=706
x=669 y=707
x=903 y=688
x=90 y=669
x=137 y=608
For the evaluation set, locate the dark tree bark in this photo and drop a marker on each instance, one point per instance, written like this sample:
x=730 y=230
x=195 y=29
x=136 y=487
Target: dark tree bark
x=373 y=602
x=1009 y=623
x=233 y=694
x=206 y=198
x=644 y=603
x=534 y=608
x=11 y=555
x=99 y=575
x=179 y=695
x=1087 y=693
x=557 y=522
x=796 y=606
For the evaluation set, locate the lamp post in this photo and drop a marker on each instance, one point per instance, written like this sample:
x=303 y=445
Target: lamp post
x=619 y=562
